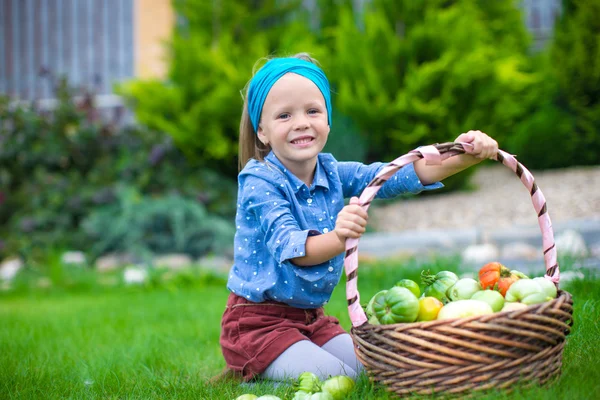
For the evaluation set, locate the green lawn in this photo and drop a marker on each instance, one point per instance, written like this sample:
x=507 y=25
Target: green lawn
x=82 y=339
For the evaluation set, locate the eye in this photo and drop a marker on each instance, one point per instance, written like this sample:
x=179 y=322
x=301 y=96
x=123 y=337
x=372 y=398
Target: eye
x=313 y=111
x=283 y=116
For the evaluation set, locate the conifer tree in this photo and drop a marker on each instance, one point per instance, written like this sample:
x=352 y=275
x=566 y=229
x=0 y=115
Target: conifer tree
x=575 y=56
x=563 y=128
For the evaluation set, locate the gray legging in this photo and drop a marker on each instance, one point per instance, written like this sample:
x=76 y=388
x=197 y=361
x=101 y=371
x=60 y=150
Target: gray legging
x=336 y=357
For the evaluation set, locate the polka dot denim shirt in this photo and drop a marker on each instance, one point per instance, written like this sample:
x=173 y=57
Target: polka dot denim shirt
x=276 y=212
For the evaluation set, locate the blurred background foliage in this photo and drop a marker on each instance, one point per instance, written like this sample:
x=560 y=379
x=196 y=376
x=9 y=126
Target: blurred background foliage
x=563 y=128
x=72 y=180
x=403 y=74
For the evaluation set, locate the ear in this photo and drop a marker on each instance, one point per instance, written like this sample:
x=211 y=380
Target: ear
x=261 y=136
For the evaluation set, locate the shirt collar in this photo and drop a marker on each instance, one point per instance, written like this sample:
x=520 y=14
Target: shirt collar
x=320 y=178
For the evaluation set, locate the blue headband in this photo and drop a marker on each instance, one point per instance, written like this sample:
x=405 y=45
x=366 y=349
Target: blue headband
x=265 y=78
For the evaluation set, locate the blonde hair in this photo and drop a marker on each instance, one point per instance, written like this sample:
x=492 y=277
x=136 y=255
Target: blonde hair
x=249 y=145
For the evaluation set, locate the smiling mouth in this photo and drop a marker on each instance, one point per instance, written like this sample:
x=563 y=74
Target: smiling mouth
x=302 y=140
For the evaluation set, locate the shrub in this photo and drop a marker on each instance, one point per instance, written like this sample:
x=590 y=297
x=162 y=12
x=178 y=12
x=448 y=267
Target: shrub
x=421 y=73
x=144 y=225
x=575 y=64
x=564 y=105
x=545 y=139
x=416 y=73
x=58 y=167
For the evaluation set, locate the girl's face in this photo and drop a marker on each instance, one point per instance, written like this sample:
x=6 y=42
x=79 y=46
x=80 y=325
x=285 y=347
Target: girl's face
x=294 y=122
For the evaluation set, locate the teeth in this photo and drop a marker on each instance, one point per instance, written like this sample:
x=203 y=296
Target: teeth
x=302 y=141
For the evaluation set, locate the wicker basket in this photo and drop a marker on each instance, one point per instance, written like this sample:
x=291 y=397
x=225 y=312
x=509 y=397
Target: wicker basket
x=456 y=356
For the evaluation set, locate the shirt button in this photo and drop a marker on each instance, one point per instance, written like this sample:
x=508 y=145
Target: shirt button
x=309 y=201
x=325 y=230
x=330 y=269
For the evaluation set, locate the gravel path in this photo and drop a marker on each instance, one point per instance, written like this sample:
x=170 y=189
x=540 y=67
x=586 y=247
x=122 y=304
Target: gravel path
x=499 y=201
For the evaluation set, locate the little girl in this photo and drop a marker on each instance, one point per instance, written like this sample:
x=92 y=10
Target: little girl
x=292 y=225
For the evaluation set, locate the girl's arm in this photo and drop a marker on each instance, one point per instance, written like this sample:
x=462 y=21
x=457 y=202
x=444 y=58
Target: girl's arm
x=484 y=147
x=351 y=223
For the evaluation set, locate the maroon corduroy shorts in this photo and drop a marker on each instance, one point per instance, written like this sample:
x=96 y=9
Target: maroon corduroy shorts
x=253 y=335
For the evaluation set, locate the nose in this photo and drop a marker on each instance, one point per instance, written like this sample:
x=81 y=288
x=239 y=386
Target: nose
x=301 y=122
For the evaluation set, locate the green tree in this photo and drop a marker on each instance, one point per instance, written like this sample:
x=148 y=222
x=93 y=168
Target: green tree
x=575 y=57
x=213 y=50
x=563 y=127
x=423 y=72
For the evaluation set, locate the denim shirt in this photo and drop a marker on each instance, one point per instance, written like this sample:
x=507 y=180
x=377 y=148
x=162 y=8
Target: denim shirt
x=276 y=212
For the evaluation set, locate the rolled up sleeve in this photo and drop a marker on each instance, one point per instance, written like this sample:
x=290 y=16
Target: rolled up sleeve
x=405 y=180
x=295 y=246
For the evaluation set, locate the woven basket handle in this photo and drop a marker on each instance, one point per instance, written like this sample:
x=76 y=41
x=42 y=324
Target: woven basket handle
x=435 y=154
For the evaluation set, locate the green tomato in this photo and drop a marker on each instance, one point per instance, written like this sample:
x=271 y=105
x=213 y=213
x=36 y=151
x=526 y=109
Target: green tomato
x=308 y=382
x=547 y=286
x=492 y=297
x=247 y=396
x=369 y=309
x=437 y=285
x=373 y=320
x=535 y=298
x=268 y=397
x=524 y=288
x=463 y=289
x=396 y=305
x=338 y=386
x=410 y=285
x=302 y=395
x=321 y=396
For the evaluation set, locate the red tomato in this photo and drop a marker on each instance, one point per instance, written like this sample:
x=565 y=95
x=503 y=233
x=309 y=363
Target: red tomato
x=504 y=283
x=490 y=273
